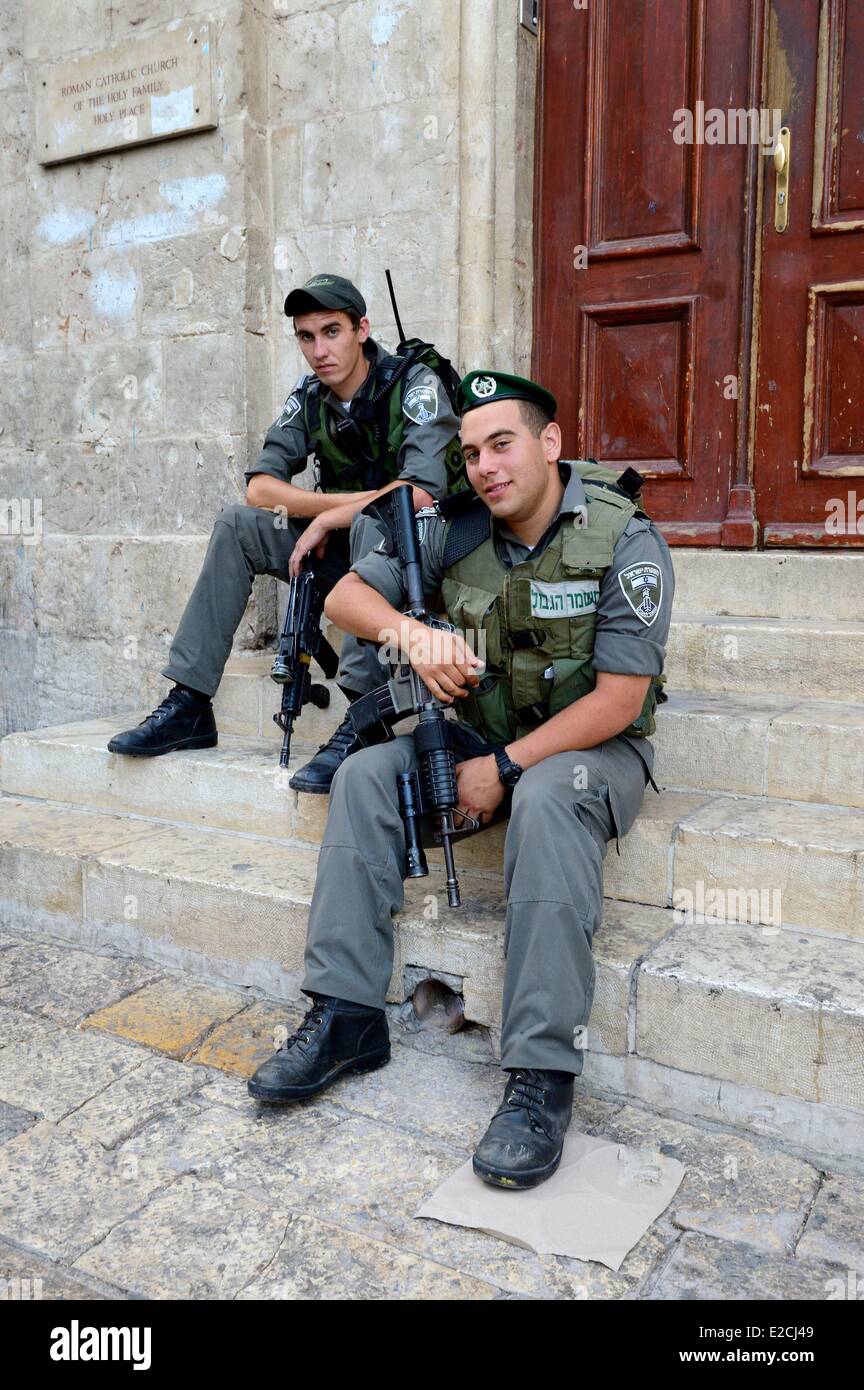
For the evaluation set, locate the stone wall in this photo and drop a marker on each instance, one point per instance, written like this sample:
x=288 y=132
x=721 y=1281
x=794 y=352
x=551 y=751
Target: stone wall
x=143 y=348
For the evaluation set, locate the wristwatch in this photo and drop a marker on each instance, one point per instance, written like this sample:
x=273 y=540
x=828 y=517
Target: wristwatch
x=508 y=771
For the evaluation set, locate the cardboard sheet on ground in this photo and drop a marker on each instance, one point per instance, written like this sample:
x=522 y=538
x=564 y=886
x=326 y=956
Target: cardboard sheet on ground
x=598 y=1204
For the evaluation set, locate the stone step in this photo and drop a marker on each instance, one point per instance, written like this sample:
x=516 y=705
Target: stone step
x=817 y=658
x=773 y=1012
x=748 y=858
x=762 y=745
x=247 y=700
x=800 y=659
x=770 y=584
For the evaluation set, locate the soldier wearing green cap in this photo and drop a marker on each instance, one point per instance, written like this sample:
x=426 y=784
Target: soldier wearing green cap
x=570 y=584
x=371 y=419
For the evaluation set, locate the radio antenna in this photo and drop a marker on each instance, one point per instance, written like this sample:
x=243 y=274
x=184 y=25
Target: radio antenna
x=395 y=309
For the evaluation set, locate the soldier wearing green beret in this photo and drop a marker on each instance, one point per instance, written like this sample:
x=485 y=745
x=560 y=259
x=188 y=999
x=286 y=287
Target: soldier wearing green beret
x=570 y=585
x=371 y=423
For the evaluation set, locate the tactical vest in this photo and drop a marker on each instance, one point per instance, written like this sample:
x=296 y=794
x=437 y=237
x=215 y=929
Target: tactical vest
x=539 y=617
x=368 y=456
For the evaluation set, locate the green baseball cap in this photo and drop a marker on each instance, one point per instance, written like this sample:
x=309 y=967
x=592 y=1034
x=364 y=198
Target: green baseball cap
x=484 y=387
x=325 y=291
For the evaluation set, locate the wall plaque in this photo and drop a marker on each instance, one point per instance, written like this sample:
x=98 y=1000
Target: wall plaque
x=148 y=89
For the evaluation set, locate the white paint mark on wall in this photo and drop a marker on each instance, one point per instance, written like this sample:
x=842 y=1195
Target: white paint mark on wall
x=194 y=202
x=192 y=194
x=152 y=226
x=63 y=225
x=173 y=111
x=114 y=295
x=382 y=26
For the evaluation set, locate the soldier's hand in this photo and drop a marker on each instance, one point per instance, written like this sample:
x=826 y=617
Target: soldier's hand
x=479 y=788
x=444 y=662
x=314 y=538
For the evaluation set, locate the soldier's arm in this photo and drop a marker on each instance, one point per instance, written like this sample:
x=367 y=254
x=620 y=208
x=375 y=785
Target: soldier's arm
x=628 y=649
x=430 y=427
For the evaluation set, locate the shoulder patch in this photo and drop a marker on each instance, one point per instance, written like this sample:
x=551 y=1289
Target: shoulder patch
x=290 y=411
x=642 y=586
x=421 y=402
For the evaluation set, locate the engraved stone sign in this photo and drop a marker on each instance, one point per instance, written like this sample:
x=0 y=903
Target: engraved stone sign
x=148 y=89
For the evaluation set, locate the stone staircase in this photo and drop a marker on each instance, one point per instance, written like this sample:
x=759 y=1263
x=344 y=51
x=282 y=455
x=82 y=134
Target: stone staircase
x=753 y=1018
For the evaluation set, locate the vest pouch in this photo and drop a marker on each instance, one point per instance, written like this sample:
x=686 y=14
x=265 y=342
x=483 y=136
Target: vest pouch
x=488 y=709
x=475 y=612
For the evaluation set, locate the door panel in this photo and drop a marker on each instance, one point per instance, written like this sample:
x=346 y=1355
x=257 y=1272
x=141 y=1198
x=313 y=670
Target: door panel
x=809 y=432
x=641 y=249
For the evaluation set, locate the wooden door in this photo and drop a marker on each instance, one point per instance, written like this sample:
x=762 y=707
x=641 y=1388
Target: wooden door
x=809 y=420
x=642 y=250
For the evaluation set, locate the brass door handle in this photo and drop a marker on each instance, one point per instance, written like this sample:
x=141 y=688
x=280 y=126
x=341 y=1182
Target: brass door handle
x=781 y=156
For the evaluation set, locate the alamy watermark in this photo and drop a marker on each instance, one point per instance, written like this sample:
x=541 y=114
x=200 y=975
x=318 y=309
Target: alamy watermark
x=21 y=516
x=735 y=126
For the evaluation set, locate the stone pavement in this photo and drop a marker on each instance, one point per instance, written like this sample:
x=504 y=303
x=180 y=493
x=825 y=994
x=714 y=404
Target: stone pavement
x=134 y=1164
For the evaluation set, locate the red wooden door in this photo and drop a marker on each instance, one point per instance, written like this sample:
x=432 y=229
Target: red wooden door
x=642 y=250
x=809 y=421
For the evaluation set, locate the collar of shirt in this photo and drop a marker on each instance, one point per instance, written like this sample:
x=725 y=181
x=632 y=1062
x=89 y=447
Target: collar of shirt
x=373 y=352
x=572 y=500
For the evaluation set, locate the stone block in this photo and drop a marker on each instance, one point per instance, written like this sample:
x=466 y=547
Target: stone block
x=732 y=1188
x=192 y=285
x=707 y=1270
x=54 y=28
x=169 y=1015
x=76 y=985
x=774 y=861
x=203 y=389
x=389 y=55
x=337 y=172
x=783 y=1012
x=17 y=406
x=835 y=1224
x=89 y=1191
x=54 y=1073
x=89 y=298
x=302 y=59
x=768 y=583
x=15 y=130
x=105 y=394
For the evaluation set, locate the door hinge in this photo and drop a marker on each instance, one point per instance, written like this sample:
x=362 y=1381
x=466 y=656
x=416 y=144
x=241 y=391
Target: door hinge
x=529 y=15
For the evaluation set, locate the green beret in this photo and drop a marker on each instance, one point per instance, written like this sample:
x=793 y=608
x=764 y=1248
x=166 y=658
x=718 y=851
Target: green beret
x=484 y=387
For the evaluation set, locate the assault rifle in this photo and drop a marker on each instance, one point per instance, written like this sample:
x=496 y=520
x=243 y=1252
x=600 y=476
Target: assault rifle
x=300 y=642
x=431 y=790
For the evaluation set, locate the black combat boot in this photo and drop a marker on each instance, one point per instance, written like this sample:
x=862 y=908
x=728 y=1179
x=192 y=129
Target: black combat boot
x=523 y=1144
x=183 y=720
x=319 y=772
x=335 y=1036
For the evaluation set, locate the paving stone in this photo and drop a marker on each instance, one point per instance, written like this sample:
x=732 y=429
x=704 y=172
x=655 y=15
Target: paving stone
x=126 y=1104
x=27 y=1277
x=18 y=1026
x=13 y=1121
x=23 y=958
x=60 y=1194
x=706 y=1269
x=213 y=1139
x=54 y=1073
x=247 y=1040
x=197 y=1240
x=316 y=1260
x=172 y=1015
x=835 y=1228
x=732 y=1189
x=77 y=984
x=371 y=1179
